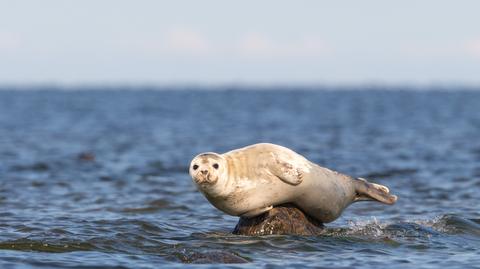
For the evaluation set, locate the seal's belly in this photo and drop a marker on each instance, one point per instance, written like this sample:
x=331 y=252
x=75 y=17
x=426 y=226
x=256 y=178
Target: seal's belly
x=257 y=194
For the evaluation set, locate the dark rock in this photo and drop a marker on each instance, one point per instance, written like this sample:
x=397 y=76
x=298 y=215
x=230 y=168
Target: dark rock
x=211 y=257
x=40 y=166
x=86 y=156
x=285 y=219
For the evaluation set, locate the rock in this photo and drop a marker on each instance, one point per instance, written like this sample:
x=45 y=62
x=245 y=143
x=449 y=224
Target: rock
x=40 y=166
x=285 y=219
x=86 y=156
x=210 y=257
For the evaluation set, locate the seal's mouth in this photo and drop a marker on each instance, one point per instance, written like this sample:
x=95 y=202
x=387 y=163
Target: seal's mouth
x=207 y=179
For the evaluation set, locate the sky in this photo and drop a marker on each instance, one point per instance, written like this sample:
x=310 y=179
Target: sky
x=239 y=42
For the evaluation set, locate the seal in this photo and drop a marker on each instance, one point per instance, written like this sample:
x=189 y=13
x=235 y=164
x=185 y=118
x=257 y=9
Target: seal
x=250 y=181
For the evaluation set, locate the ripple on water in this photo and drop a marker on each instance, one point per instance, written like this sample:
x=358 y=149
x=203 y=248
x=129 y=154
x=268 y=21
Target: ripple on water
x=453 y=224
x=153 y=206
x=113 y=189
x=407 y=230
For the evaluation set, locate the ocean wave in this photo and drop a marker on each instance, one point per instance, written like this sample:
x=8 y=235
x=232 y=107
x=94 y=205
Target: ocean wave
x=448 y=224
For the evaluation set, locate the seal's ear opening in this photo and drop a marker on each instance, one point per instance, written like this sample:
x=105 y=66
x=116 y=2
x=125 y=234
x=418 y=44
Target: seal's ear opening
x=367 y=191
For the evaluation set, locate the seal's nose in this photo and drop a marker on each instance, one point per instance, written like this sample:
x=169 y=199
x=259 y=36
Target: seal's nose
x=204 y=172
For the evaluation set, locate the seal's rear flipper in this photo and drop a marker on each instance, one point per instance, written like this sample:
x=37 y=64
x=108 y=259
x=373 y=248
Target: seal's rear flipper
x=367 y=191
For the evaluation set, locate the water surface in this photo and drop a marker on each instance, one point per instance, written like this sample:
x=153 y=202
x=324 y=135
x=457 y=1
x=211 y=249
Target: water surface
x=99 y=178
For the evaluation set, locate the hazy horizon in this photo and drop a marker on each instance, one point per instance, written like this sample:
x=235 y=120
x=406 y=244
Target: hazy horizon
x=238 y=87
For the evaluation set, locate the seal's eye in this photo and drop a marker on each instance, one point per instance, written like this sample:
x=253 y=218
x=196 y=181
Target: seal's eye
x=215 y=165
x=195 y=167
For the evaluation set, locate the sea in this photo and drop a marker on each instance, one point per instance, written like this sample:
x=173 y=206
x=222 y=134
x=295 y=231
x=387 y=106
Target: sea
x=98 y=177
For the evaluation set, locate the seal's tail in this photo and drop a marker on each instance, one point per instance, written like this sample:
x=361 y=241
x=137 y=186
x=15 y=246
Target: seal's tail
x=367 y=191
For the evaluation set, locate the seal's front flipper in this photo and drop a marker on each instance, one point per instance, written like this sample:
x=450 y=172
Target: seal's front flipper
x=367 y=191
x=256 y=212
x=289 y=174
x=286 y=171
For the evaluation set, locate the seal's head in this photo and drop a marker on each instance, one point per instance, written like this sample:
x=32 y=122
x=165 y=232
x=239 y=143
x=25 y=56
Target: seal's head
x=208 y=170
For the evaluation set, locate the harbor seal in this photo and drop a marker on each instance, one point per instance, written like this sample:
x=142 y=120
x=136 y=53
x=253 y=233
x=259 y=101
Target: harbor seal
x=252 y=180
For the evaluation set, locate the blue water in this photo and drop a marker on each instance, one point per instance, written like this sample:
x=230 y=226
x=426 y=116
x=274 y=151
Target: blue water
x=98 y=178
